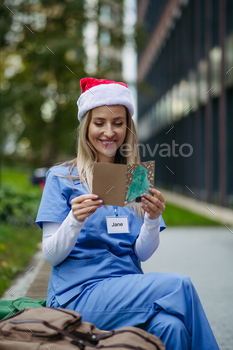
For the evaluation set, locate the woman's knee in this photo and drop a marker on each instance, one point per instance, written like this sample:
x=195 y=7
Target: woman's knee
x=184 y=283
x=170 y=329
x=182 y=279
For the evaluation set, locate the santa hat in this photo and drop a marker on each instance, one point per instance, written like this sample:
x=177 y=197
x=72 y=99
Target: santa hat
x=102 y=92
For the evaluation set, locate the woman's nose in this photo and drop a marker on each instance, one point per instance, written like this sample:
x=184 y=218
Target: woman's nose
x=109 y=132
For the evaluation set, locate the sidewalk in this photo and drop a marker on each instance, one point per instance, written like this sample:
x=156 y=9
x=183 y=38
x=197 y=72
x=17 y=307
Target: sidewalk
x=33 y=282
x=205 y=254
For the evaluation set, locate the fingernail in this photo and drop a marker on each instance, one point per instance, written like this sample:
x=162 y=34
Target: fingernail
x=143 y=199
x=150 y=189
x=96 y=196
x=100 y=201
x=144 y=194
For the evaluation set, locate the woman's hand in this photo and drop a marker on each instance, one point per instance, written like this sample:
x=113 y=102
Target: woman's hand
x=85 y=205
x=152 y=205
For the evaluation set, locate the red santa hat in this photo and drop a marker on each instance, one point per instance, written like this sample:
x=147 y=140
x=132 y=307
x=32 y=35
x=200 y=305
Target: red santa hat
x=102 y=92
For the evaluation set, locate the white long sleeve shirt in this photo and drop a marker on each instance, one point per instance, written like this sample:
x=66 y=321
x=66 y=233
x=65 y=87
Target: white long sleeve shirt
x=60 y=239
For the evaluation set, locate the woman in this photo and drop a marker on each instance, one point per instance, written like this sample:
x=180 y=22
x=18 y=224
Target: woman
x=99 y=274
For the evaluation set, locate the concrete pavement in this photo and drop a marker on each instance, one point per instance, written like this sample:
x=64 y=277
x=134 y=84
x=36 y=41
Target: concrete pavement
x=206 y=256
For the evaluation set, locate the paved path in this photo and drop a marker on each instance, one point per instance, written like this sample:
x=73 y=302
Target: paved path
x=204 y=254
x=33 y=282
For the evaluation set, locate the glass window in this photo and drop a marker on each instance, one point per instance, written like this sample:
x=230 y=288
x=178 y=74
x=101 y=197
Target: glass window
x=203 y=82
x=157 y=121
x=176 y=103
x=229 y=60
x=184 y=97
x=215 y=64
x=152 y=121
x=229 y=145
x=193 y=90
x=168 y=107
x=229 y=16
x=215 y=154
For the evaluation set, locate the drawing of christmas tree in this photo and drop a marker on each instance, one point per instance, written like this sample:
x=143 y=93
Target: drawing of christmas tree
x=139 y=185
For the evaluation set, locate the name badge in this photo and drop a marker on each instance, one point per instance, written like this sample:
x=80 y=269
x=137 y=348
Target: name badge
x=117 y=224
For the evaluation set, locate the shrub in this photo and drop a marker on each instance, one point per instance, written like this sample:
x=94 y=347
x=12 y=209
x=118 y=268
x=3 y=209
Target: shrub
x=18 y=207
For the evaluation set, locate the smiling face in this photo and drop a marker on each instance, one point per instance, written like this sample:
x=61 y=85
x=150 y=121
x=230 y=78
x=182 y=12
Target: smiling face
x=107 y=131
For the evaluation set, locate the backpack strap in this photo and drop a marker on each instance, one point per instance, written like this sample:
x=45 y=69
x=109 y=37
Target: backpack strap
x=79 y=342
x=140 y=335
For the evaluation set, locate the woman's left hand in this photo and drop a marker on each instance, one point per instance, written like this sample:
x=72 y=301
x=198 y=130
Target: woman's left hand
x=154 y=206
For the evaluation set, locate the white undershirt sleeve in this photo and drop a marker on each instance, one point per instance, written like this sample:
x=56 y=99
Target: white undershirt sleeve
x=148 y=239
x=59 y=239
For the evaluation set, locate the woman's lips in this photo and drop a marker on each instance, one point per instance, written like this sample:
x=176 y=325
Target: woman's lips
x=107 y=143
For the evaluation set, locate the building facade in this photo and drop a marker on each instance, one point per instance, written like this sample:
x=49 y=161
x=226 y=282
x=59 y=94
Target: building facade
x=185 y=95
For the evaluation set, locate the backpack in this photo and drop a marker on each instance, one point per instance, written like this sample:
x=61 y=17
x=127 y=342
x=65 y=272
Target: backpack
x=61 y=329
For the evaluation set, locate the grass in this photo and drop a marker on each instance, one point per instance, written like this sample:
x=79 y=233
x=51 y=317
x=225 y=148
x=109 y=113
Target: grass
x=17 y=245
x=175 y=216
x=17 y=177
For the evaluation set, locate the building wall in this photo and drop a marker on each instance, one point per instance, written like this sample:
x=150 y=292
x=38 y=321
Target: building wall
x=185 y=96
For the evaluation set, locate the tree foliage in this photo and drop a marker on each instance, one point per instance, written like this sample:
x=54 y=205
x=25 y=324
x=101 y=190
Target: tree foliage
x=42 y=63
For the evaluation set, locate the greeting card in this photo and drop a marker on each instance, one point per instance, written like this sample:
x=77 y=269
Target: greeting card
x=121 y=184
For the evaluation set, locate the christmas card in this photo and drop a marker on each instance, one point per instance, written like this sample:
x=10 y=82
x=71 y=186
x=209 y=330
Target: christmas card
x=122 y=185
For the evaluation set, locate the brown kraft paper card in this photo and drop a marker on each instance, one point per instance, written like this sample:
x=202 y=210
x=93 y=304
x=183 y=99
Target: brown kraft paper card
x=121 y=184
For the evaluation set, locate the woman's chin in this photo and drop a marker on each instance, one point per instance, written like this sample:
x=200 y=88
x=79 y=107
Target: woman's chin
x=109 y=154
x=109 y=151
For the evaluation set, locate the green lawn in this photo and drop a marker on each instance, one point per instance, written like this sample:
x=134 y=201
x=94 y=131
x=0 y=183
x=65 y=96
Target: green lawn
x=18 y=243
x=17 y=246
x=18 y=178
x=175 y=216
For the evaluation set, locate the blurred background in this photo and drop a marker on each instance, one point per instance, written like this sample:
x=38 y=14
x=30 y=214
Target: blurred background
x=47 y=47
x=177 y=58
x=175 y=55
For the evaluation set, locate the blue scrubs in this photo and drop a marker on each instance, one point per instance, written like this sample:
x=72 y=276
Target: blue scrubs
x=102 y=277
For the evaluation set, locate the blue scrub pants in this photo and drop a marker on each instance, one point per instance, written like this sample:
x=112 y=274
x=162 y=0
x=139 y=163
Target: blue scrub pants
x=163 y=304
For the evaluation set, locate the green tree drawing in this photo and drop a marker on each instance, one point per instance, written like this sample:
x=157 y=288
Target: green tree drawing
x=139 y=184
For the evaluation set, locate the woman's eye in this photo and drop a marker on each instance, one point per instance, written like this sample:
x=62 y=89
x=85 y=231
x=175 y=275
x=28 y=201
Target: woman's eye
x=100 y=124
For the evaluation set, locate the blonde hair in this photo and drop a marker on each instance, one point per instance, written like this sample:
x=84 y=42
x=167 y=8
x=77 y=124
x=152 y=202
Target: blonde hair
x=87 y=154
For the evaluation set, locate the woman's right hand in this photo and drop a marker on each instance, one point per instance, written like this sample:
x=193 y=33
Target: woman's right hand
x=85 y=205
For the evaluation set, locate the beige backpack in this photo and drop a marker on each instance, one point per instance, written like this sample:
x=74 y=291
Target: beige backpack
x=61 y=329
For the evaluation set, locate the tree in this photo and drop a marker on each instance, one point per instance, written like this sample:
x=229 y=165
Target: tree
x=43 y=61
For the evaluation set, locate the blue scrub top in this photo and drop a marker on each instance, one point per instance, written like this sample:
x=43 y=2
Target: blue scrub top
x=96 y=255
